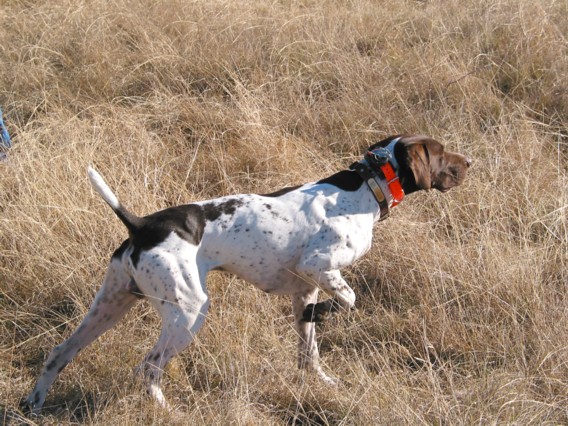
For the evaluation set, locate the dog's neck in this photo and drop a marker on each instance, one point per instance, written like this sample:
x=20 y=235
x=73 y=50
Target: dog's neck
x=378 y=170
x=379 y=186
x=365 y=184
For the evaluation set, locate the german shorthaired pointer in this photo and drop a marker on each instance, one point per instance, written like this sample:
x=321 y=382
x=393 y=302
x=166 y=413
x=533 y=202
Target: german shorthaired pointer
x=292 y=242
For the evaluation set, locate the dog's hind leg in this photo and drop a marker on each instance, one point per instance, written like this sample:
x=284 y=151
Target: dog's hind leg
x=112 y=302
x=178 y=329
x=308 y=354
x=182 y=307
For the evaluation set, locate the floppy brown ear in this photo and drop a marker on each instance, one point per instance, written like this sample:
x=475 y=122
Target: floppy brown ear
x=419 y=163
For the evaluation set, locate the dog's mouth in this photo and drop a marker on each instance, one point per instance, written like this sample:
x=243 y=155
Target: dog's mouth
x=438 y=186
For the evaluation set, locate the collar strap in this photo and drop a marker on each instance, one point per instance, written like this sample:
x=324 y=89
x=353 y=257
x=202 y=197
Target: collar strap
x=377 y=171
x=393 y=183
x=369 y=178
x=383 y=162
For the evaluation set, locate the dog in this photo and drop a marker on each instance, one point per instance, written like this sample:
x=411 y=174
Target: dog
x=291 y=242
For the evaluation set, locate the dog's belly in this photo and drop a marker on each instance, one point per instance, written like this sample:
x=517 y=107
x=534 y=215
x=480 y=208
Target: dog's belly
x=279 y=282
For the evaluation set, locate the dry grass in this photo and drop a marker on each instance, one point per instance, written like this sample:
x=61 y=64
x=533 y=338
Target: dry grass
x=463 y=300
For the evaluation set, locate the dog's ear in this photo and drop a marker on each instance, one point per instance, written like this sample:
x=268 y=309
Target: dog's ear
x=418 y=159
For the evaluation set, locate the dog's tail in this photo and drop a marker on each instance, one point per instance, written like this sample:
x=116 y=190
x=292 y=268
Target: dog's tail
x=132 y=222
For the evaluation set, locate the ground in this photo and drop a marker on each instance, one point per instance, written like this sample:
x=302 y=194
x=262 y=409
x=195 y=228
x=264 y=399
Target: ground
x=462 y=312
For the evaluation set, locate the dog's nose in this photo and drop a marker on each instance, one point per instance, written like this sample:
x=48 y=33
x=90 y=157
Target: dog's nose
x=468 y=162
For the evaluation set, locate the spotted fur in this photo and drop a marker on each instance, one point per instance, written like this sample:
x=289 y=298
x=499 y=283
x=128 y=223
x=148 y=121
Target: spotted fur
x=292 y=242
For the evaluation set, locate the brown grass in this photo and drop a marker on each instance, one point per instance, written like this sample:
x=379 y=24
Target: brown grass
x=462 y=302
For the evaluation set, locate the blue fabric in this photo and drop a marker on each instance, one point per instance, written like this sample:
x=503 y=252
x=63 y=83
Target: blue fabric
x=4 y=135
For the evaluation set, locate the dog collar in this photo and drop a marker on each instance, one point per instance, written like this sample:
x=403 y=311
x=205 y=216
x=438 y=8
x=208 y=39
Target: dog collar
x=378 y=170
x=386 y=172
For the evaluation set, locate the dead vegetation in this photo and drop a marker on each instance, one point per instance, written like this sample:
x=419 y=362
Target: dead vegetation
x=462 y=303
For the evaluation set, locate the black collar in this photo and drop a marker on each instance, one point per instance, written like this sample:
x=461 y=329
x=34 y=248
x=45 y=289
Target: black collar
x=370 y=177
x=379 y=170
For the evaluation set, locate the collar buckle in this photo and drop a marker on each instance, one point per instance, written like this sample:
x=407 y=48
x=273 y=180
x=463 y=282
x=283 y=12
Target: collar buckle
x=378 y=157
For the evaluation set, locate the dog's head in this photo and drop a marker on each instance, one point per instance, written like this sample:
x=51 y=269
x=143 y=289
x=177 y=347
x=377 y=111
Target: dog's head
x=424 y=164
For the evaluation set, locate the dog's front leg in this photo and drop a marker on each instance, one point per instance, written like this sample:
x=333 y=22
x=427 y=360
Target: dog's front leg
x=320 y=311
x=308 y=354
x=343 y=296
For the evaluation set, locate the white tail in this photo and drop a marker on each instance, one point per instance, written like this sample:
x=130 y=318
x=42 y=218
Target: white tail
x=103 y=189
x=132 y=222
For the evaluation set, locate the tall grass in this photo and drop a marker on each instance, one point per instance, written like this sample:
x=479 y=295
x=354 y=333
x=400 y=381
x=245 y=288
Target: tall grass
x=462 y=303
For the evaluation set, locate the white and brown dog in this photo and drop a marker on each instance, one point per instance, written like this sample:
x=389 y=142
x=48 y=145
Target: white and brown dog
x=292 y=242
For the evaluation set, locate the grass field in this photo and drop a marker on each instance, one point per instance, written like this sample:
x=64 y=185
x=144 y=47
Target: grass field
x=462 y=302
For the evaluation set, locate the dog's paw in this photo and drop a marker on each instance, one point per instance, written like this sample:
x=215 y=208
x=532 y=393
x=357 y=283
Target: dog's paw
x=313 y=314
x=320 y=311
x=32 y=404
x=26 y=406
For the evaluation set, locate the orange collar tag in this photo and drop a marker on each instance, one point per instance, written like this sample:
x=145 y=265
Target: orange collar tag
x=393 y=183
